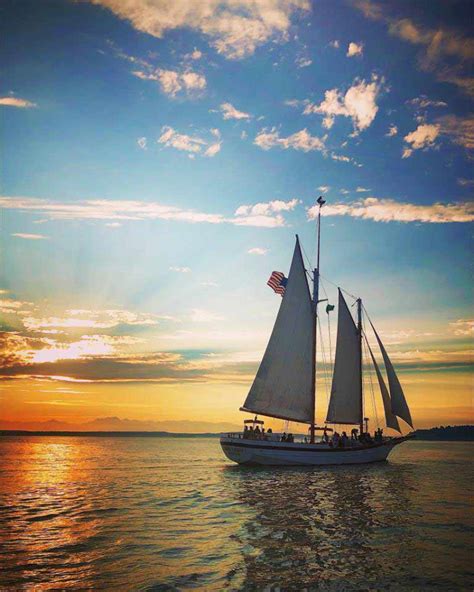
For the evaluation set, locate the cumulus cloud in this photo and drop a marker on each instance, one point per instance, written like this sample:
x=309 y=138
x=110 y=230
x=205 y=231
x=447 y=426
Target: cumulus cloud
x=265 y=215
x=173 y=82
x=235 y=28
x=230 y=112
x=257 y=251
x=359 y=103
x=28 y=236
x=16 y=102
x=423 y=137
x=389 y=210
x=354 y=49
x=302 y=140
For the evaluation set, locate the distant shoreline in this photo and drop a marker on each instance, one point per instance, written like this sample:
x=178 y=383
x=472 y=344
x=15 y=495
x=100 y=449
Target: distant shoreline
x=446 y=434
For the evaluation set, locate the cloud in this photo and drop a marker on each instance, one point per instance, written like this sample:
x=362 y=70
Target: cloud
x=445 y=52
x=334 y=44
x=423 y=137
x=462 y=327
x=423 y=102
x=180 y=269
x=362 y=190
x=16 y=102
x=113 y=224
x=324 y=188
x=257 y=251
x=303 y=62
x=266 y=214
x=142 y=143
x=10 y=306
x=193 y=144
x=460 y=130
x=462 y=182
x=173 y=82
x=115 y=210
x=92 y=319
x=194 y=55
x=392 y=131
x=354 y=49
x=230 y=112
x=389 y=210
x=235 y=27
x=204 y=316
x=215 y=147
x=358 y=103
x=30 y=236
x=302 y=140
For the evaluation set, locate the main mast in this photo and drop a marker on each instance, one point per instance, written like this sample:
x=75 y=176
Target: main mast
x=320 y=202
x=359 y=330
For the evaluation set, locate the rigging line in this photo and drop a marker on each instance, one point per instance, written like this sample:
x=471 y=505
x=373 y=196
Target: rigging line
x=366 y=349
x=342 y=289
x=323 y=355
x=306 y=257
x=370 y=381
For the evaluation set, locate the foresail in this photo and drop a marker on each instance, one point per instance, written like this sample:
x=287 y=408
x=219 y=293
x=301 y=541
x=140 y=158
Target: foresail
x=345 y=402
x=283 y=386
x=390 y=419
x=397 y=398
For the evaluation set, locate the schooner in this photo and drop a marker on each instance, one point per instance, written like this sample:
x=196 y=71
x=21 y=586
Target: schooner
x=285 y=384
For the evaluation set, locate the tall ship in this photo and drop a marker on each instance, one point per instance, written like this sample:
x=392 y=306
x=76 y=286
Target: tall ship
x=285 y=384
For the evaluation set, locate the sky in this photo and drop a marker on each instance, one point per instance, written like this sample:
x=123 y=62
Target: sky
x=158 y=158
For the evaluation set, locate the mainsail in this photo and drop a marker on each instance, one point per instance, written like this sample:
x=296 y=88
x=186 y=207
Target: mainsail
x=346 y=395
x=397 y=398
x=390 y=419
x=284 y=383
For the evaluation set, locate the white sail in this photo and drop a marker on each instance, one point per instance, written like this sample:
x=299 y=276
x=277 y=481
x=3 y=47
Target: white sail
x=346 y=395
x=390 y=419
x=397 y=398
x=284 y=383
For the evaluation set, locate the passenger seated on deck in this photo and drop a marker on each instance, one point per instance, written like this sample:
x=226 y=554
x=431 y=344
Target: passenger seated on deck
x=257 y=432
x=290 y=438
x=335 y=439
x=283 y=437
x=264 y=436
x=325 y=435
x=250 y=435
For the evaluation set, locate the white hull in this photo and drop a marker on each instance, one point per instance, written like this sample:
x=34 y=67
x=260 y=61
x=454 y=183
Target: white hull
x=261 y=452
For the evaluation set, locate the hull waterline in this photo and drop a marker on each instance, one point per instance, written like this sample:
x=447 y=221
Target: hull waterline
x=268 y=453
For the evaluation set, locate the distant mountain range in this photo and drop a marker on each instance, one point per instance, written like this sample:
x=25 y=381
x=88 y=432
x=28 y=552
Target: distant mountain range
x=117 y=426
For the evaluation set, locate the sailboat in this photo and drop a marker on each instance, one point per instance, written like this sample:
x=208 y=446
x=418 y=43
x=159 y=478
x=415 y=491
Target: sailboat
x=285 y=385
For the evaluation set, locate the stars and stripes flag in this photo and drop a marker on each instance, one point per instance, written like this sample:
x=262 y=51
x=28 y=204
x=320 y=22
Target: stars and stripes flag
x=277 y=282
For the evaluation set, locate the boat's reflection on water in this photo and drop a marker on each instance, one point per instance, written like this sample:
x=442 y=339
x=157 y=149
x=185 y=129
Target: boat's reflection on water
x=319 y=528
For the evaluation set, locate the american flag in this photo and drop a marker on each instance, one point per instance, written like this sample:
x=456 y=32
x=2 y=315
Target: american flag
x=277 y=282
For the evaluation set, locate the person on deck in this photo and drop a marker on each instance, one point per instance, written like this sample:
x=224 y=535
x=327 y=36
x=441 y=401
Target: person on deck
x=344 y=439
x=283 y=437
x=290 y=438
x=246 y=431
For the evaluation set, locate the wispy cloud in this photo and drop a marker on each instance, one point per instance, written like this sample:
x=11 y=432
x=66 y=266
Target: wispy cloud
x=422 y=102
x=460 y=130
x=302 y=140
x=257 y=251
x=303 y=62
x=230 y=112
x=28 y=236
x=192 y=144
x=324 y=188
x=354 y=49
x=180 y=269
x=235 y=27
x=335 y=44
x=389 y=210
x=16 y=102
x=462 y=327
x=92 y=319
x=392 y=131
x=359 y=103
x=142 y=143
x=445 y=52
x=265 y=214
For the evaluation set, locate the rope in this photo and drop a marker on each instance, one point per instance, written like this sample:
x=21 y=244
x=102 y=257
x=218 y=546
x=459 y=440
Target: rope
x=367 y=362
x=323 y=355
x=342 y=289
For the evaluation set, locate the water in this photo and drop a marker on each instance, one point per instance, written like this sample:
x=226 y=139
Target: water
x=174 y=514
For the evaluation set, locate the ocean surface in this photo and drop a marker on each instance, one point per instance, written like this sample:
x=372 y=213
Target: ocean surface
x=174 y=514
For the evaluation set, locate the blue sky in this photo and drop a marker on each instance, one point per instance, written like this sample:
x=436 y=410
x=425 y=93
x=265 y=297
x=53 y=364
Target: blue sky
x=148 y=147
